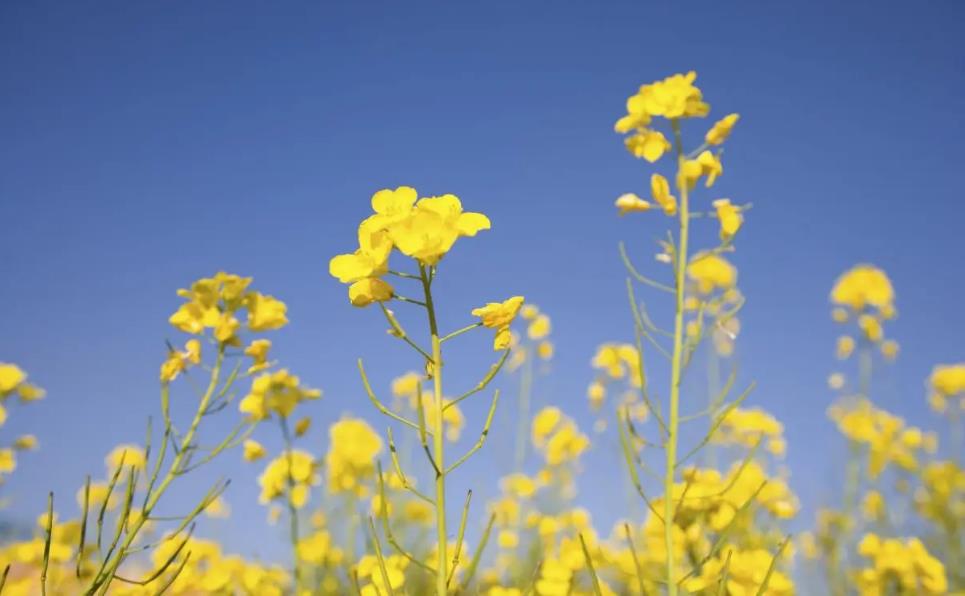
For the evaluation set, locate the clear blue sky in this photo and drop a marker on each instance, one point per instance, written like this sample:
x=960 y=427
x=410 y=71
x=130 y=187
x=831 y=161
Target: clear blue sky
x=144 y=145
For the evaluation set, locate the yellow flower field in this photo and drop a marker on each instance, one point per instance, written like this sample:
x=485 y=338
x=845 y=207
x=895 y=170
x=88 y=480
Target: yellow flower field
x=375 y=511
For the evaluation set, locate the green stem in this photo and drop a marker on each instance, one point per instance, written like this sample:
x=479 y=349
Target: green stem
x=292 y=511
x=525 y=391
x=102 y=579
x=676 y=369
x=438 y=440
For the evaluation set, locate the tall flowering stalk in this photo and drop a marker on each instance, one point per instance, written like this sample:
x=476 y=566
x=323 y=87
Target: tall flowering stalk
x=211 y=314
x=424 y=230
x=674 y=100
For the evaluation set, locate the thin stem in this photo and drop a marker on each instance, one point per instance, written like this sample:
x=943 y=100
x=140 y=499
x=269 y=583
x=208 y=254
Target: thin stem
x=460 y=536
x=639 y=276
x=482 y=436
x=459 y=332
x=477 y=556
x=636 y=559
x=770 y=568
x=482 y=384
x=102 y=579
x=48 y=535
x=673 y=423
x=380 y=406
x=378 y=554
x=438 y=438
x=292 y=510
x=402 y=274
x=589 y=565
x=410 y=300
x=522 y=423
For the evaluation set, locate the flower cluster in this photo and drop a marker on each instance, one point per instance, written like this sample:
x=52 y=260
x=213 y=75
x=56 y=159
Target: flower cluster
x=946 y=384
x=887 y=438
x=748 y=427
x=905 y=565
x=352 y=452
x=676 y=98
x=424 y=229
x=617 y=364
x=672 y=98
x=557 y=437
x=276 y=392
x=216 y=302
x=13 y=382
x=941 y=496
x=290 y=475
x=211 y=571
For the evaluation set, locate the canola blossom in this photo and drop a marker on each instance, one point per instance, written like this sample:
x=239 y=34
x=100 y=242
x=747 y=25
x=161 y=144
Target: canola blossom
x=367 y=504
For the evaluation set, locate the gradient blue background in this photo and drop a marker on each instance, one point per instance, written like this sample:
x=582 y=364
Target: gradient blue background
x=144 y=145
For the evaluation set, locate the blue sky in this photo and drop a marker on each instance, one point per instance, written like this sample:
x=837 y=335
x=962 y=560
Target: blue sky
x=145 y=145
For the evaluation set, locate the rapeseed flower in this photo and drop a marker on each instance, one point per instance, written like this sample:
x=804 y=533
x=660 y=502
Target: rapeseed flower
x=499 y=316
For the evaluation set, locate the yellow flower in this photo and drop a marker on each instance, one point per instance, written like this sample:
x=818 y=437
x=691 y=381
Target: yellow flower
x=25 y=443
x=596 y=393
x=711 y=272
x=948 y=380
x=253 y=450
x=351 y=457
x=28 y=392
x=8 y=461
x=862 y=286
x=226 y=328
x=539 y=328
x=903 y=564
x=366 y=291
x=507 y=539
x=10 y=376
x=689 y=173
x=499 y=316
x=618 y=360
x=130 y=455
x=298 y=468
x=554 y=579
x=730 y=218
x=660 y=189
x=873 y=505
x=97 y=494
x=871 y=327
x=218 y=508
x=648 y=144
x=278 y=392
x=721 y=129
x=544 y=422
x=631 y=203
x=673 y=97
x=178 y=362
x=258 y=352
x=545 y=350
x=265 y=312
x=433 y=226
x=845 y=347
x=391 y=206
x=407 y=386
x=372 y=257
x=710 y=167
x=302 y=426
x=889 y=349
